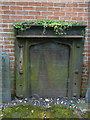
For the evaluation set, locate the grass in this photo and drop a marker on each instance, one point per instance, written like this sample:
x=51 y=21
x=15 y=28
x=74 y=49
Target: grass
x=28 y=111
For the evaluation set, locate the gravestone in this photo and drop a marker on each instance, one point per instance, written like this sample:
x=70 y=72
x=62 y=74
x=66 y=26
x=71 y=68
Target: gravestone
x=0 y=77
x=88 y=90
x=6 y=83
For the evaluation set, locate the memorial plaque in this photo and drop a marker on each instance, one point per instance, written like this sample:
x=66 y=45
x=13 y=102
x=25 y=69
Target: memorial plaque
x=49 y=69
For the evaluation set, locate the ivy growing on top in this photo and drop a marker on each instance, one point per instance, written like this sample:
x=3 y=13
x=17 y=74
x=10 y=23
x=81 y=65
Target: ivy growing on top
x=58 y=26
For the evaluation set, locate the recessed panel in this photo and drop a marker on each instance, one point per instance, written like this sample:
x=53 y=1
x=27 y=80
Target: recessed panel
x=48 y=69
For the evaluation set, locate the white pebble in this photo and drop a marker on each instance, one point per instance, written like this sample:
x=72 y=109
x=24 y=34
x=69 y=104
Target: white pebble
x=14 y=104
x=20 y=100
x=24 y=101
x=34 y=103
x=47 y=100
x=71 y=101
x=32 y=111
x=25 y=98
x=1 y=115
x=62 y=102
x=57 y=98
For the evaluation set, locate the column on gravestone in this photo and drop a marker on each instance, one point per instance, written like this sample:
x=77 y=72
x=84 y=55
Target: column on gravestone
x=6 y=82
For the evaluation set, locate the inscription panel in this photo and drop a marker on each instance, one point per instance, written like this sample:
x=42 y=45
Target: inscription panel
x=49 y=65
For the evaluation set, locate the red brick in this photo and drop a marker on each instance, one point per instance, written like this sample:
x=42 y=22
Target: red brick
x=21 y=3
x=84 y=83
x=71 y=5
x=71 y=14
x=28 y=17
x=1 y=25
x=84 y=86
x=41 y=9
x=59 y=13
x=47 y=13
x=9 y=3
x=78 y=10
x=4 y=25
x=53 y=18
x=59 y=4
x=76 y=18
x=7 y=42
x=22 y=12
x=34 y=4
x=47 y=4
x=66 y=9
x=65 y=18
x=7 y=30
x=86 y=18
x=85 y=75
x=11 y=54
x=5 y=16
x=12 y=50
x=8 y=34
x=84 y=79
x=40 y=17
x=29 y=8
x=0 y=12
x=5 y=50
x=10 y=26
x=1 y=2
x=11 y=58
x=5 y=7
x=83 y=5
x=15 y=17
x=53 y=0
x=84 y=90
x=9 y=12
x=16 y=8
x=34 y=13
x=53 y=9
x=9 y=46
x=8 y=21
x=82 y=14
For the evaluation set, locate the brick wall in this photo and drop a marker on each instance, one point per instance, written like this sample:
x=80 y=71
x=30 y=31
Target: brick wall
x=11 y=12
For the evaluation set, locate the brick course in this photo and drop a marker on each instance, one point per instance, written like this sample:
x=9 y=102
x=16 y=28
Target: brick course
x=69 y=10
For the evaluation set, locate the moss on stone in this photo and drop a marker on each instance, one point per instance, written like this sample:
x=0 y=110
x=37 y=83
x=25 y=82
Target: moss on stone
x=28 y=111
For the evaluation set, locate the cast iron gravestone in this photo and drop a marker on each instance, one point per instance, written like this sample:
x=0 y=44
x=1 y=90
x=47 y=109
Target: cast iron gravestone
x=40 y=58
x=6 y=87
x=0 y=77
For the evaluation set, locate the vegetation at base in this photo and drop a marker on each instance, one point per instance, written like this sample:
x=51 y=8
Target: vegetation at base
x=28 y=111
x=86 y=114
x=58 y=26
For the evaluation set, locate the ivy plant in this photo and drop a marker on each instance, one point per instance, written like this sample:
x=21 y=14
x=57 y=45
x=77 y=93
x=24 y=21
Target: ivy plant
x=58 y=26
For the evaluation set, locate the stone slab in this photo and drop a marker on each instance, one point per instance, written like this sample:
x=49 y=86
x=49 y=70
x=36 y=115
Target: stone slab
x=6 y=82
x=88 y=90
x=0 y=76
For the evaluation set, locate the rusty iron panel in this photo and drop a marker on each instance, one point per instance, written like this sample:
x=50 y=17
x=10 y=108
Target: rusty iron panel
x=49 y=64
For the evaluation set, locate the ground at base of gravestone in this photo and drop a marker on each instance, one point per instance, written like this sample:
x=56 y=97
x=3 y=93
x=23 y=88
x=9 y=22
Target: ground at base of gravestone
x=36 y=107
